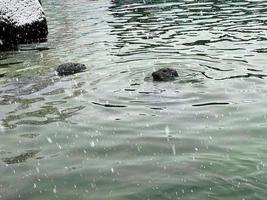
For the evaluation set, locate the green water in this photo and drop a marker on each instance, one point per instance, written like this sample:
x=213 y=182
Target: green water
x=111 y=132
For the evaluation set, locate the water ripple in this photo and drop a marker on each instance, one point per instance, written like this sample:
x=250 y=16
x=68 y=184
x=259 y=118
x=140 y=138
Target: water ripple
x=113 y=133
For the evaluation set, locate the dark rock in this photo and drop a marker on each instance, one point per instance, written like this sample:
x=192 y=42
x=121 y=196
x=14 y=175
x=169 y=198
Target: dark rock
x=164 y=74
x=7 y=39
x=70 y=68
x=21 y=22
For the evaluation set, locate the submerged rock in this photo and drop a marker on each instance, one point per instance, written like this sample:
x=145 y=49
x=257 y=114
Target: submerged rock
x=164 y=74
x=21 y=22
x=70 y=68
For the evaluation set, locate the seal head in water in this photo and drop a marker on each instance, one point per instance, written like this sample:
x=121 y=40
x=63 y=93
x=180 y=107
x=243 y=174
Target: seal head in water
x=164 y=74
x=69 y=69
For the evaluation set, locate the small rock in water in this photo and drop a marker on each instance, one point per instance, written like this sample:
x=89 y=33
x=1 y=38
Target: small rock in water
x=70 y=68
x=164 y=74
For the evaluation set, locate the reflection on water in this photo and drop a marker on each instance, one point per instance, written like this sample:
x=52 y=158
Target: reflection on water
x=113 y=133
x=21 y=158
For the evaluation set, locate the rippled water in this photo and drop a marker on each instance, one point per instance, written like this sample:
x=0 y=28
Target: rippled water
x=113 y=133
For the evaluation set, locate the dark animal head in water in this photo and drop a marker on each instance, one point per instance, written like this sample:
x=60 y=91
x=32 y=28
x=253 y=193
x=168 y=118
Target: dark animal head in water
x=164 y=74
x=70 y=68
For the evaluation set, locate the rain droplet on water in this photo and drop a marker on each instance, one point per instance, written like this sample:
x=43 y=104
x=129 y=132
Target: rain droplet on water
x=92 y=144
x=59 y=146
x=55 y=189
x=173 y=150
x=49 y=140
x=2 y=128
x=167 y=130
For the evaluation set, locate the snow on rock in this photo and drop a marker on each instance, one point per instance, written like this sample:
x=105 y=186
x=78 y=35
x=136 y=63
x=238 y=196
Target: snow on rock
x=21 y=21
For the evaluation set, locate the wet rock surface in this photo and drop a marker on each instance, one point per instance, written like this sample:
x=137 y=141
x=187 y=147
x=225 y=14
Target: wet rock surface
x=21 y=22
x=69 y=69
x=164 y=74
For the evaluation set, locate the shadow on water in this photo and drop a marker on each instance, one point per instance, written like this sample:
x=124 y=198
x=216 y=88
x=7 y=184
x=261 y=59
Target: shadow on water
x=20 y=158
x=109 y=105
x=45 y=115
x=23 y=107
x=211 y=104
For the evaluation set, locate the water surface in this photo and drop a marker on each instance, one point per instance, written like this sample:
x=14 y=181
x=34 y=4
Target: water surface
x=113 y=133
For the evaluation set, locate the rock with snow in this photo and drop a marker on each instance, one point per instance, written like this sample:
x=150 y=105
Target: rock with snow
x=21 y=21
